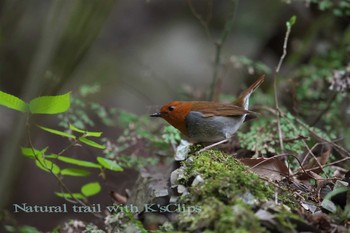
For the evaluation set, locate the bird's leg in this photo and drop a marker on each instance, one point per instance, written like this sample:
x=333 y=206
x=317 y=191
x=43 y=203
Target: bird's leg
x=212 y=145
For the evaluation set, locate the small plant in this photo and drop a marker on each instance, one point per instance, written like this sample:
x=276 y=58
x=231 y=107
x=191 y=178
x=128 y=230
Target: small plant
x=338 y=8
x=22 y=229
x=46 y=160
x=262 y=135
x=139 y=134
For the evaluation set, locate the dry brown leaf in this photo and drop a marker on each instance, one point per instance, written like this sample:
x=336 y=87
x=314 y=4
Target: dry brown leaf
x=272 y=169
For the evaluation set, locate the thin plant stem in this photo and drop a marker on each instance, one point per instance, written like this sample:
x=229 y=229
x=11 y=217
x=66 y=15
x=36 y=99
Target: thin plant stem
x=326 y=165
x=201 y=20
x=322 y=112
x=289 y=25
x=216 y=80
x=218 y=46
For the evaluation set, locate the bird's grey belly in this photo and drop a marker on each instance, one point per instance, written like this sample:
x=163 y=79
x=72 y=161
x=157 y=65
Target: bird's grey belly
x=211 y=129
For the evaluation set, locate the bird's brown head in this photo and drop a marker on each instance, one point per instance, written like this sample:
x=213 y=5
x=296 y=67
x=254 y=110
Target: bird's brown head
x=175 y=114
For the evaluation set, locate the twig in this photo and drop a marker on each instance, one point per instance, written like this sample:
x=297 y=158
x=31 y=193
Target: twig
x=340 y=149
x=74 y=143
x=275 y=85
x=326 y=165
x=307 y=147
x=314 y=157
x=210 y=11
x=321 y=113
x=289 y=25
x=203 y=22
x=218 y=45
x=280 y=136
x=303 y=171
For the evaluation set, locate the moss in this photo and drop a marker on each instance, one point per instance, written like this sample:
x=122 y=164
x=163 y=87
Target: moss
x=228 y=197
x=215 y=216
x=238 y=218
x=224 y=195
x=286 y=220
x=225 y=176
x=203 y=219
x=288 y=199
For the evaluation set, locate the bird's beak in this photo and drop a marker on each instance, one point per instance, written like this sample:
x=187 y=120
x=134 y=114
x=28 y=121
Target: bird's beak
x=157 y=114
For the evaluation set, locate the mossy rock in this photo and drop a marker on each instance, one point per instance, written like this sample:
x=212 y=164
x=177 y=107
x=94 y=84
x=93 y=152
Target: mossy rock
x=228 y=197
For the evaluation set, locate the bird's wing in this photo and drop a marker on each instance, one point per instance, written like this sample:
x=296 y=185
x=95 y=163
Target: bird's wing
x=209 y=109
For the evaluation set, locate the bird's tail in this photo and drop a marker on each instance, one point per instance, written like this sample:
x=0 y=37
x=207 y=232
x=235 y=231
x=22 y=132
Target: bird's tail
x=243 y=98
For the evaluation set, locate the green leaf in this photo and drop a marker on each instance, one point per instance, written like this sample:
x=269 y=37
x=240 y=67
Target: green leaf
x=78 y=162
x=329 y=205
x=31 y=152
x=57 y=132
x=74 y=172
x=109 y=164
x=291 y=21
x=91 y=189
x=335 y=192
x=13 y=102
x=70 y=195
x=87 y=133
x=28 y=229
x=50 y=104
x=47 y=166
x=91 y=143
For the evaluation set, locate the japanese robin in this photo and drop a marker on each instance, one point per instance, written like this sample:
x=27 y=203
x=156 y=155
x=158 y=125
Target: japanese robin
x=208 y=122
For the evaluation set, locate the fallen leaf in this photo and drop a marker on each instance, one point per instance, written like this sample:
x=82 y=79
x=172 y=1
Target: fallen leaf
x=271 y=168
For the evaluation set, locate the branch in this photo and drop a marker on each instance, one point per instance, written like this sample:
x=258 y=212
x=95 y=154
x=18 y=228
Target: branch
x=326 y=165
x=289 y=25
x=218 y=44
x=322 y=112
x=203 y=22
x=216 y=81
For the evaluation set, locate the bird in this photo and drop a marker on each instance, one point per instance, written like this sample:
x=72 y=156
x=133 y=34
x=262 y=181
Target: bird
x=207 y=121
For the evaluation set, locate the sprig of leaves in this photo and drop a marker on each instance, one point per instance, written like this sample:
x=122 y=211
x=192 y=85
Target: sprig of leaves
x=47 y=161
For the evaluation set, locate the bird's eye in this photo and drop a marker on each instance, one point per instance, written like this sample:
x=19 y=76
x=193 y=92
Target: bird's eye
x=171 y=108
